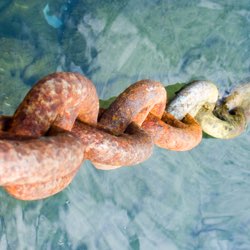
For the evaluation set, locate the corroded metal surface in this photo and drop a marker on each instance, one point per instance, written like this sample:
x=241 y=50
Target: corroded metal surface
x=173 y=134
x=108 y=151
x=35 y=191
x=57 y=99
x=31 y=165
x=36 y=168
x=134 y=104
x=144 y=103
x=36 y=160
x=55 y=128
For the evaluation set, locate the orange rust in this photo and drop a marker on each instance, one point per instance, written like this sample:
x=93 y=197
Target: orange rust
x=123 y=136
x=134 y=104
x=170 y=133
x=144 y=103
x=56 y=99
x=28 y=162
x=119 y=148
x=36 y=160
x=108 y=151
x=52 y=105
x=33 y=191
x=46 y=165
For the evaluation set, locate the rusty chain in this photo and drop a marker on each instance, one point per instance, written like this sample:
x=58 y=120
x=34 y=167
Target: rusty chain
x=59 y=124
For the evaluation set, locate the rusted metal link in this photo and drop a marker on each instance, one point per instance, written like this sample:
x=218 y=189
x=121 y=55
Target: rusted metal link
x=51 y=108
x=27 y=162
x=45 y=165
x=144 y=102
x=36 y=168
x=117 y=141
x=173 y=134
x=57 y=126
x=42 y=190
x=57 y=99
x=134 y=104
x=108 y=151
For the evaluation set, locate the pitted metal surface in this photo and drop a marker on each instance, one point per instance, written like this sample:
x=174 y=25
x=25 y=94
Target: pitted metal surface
x=55 y=128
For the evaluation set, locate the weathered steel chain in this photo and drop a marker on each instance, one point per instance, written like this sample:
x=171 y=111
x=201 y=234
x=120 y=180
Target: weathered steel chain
x=56 y=127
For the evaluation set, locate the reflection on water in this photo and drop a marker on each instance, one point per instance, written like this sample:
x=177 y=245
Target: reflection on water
x=188 y=200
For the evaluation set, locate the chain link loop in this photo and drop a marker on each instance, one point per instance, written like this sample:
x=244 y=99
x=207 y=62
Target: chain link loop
x=56 y=127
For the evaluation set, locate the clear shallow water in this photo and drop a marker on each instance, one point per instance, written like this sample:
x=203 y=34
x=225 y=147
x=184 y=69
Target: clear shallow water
x=190 y=200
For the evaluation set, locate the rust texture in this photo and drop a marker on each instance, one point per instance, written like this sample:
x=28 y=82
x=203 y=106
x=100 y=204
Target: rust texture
x=144 y=103
x=173 y=134
x=34 y=166
x=36 y=160
x=109 y=151
x=57 y=126
x=57 y=99
x=130 y=108
x=134 y=104
x=44 y=189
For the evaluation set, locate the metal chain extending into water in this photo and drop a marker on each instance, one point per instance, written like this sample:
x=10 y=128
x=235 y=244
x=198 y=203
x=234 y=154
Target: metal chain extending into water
x=59 y=124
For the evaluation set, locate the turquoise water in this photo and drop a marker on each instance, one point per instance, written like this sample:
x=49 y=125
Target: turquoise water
x=191 y=200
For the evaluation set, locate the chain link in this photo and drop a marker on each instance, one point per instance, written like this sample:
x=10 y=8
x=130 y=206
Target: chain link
x=56 y=127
